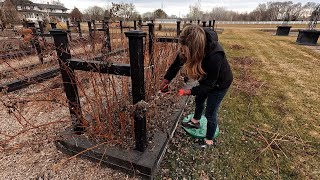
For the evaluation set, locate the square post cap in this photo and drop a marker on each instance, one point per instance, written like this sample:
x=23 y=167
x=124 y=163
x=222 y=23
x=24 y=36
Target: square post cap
x=135 y=33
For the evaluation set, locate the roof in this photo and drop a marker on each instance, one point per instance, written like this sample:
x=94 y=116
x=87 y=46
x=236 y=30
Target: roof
x=22 y=2
x=58 y=14
x=50 y=6
x=29 y=10
x=42 y=6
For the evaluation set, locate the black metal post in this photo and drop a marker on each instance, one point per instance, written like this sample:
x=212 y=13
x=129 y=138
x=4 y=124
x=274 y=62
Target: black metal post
x=210 y=23
x=53 y=25
x=204 y=23
x=198 y=22
x=41 y=27
x=79 y=28
x=107 y=44
x=121 y=27
x=135 y=25
x=69 y=82
x=213 y=24
x=152 y=21
x=178 y=27
x=190 y=21
x=138 y=87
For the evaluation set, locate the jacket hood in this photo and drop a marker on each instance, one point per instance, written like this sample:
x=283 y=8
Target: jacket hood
x=212 y=44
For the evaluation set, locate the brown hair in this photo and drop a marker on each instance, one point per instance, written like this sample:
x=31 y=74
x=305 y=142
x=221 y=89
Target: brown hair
x=192 y=41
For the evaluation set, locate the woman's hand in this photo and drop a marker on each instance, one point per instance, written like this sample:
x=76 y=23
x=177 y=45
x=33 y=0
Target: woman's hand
x=164 y=87
x=184 y=92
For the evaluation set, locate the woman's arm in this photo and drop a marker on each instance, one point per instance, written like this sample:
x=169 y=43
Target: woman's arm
x=174 y=68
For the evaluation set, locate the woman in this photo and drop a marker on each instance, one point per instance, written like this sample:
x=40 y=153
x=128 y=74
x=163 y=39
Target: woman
x=202 y=59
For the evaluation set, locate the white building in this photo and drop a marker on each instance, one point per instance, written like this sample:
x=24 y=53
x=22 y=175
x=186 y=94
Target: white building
x=38 y=12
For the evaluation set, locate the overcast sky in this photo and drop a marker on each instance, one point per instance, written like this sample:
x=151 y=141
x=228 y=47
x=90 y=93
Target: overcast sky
x=176 y=7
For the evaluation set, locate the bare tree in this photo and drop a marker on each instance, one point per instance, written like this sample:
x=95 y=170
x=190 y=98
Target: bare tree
x=159 y=13
x=57 y=2
x=315 y=16
x=123 y=11
x=270 y=11
x=295 y=11
x=222 y=14
x=94 y=13
x=9 y=14
x=259 y=13
x=76 y=14
x=307 y=9
x=148 y=16
x=195 y=12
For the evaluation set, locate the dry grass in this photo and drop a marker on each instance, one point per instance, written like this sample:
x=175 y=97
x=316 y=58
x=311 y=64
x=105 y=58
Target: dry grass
x=287 y=105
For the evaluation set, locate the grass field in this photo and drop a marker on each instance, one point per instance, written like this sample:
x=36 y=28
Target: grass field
x=269 y=120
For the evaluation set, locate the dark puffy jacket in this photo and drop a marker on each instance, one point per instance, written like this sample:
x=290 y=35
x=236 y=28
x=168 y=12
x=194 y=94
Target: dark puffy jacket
x=218 y=72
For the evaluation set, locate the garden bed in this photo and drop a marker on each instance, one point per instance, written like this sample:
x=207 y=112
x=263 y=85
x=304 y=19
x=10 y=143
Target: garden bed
x=116 y=127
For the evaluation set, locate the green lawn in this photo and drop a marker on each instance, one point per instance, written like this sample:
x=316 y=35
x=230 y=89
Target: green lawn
x=269 y=120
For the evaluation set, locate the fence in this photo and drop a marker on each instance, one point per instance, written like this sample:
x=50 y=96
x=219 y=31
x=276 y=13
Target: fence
x=173 y=21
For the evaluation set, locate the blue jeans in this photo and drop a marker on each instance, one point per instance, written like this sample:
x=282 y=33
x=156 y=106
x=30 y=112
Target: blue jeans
x=214 y=99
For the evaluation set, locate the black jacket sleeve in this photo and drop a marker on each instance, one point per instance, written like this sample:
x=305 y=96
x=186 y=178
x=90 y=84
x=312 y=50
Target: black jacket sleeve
x=174 y=68
x=212 y=65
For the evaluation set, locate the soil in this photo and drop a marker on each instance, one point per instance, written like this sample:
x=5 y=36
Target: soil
x=34 y=118
x=32 y=154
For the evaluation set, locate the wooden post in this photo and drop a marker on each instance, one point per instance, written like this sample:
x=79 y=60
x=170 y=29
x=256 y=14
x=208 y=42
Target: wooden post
x=213 y=24
x=204 y=23
x=68 y=25
x=31 y=25
x=35 y=40
x=135 y=25
x=69 y=31
x=138 y=87
x=69 y=82
x=79 y=28
x=41 y=27
x=53 y=25
x=151 y=35
x=121 y=27
x=178 y=27
x=107 y=43
x=140 y=24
